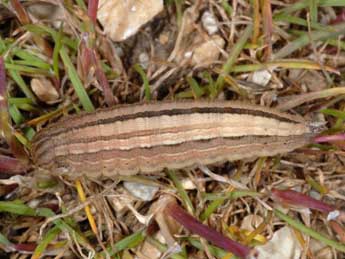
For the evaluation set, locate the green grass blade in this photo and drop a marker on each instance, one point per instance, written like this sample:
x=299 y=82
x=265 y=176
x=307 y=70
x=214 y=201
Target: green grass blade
x=309 y=232
x=128 y=242
x=29 y=133
x=211 y=86
x=163 y=248
x=19 y=100
x=30 y=59
x=332 y=3
x=299 y=21
x=81 y=4
x=182 y=192
x=57 y=47
x=227 y=8
x=196 y=89
x=299 y=5
x=16 y=66
x=4 y=241
x=178 y=6
x=16 y=207
x=313 y=6
x=22 y=85
x=230 y=195
x=45 y=30
x=76 y=82
x=61 y=224
x=28 y=107
x=215 y=251
x=147 y=89
x=16 y=115
x=46 y=240
x=304 y=40
x=211 y=208
x=334 y=113
x=19 y=208
x=235 y=52
x=218 y=200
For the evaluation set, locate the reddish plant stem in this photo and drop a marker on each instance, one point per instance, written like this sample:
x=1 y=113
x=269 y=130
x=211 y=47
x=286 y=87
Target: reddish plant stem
x=89 y=59
x=92 y=10
x=84 y=58
x=20 y=11
x=301 y=200
x=25 y=247
x=329 y=138
x=339 y=18
x=6 y=189
x=2 y=81
x=193 y=225
x=11 y=165
x=102 y=80
x=339 y=229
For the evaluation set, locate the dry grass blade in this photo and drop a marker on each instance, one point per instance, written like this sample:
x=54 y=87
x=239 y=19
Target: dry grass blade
x=87 y=209
x=4 y=118
x=308 y=97
x=256 y=21
x=267 y=27
x=303 y=40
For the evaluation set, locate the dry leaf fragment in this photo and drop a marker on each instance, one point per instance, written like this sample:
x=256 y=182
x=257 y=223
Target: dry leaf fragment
x=283 y=245
x=251 y=222
x=208 y=52
x=122 y=19
x=44 y=10
x=44 y=90
x=148 y=250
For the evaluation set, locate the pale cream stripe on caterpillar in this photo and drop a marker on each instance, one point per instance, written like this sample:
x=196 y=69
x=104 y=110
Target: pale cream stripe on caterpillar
x=146 y=138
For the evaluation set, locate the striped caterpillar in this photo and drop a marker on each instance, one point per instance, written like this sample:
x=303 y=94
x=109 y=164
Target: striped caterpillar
x=146 y=138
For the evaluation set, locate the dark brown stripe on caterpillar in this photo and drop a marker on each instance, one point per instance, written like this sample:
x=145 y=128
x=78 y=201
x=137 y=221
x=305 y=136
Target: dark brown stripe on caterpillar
x=144 y=160
x=131 y=133
x=150 y=114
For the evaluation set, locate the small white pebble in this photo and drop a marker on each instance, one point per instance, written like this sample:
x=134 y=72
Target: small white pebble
x=314 y=194
x=188 y=54
x=33 y=203
x=119 y=51
x=209 y=22
x=141 y=191
x=188 y=184
x=333 y=215
x=261 y=77
x=144 y=60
